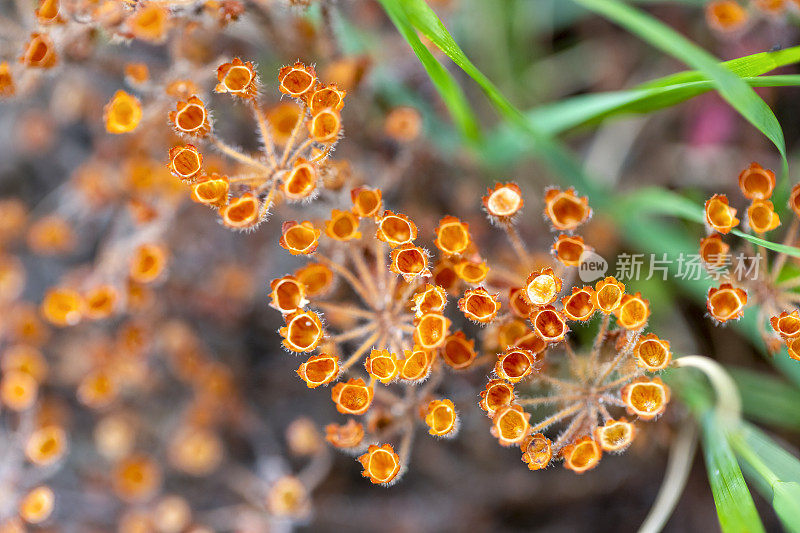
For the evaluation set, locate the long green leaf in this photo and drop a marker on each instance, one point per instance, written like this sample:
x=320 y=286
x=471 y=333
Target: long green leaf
x=735 y=508
x=735 y=91
x=768 y=399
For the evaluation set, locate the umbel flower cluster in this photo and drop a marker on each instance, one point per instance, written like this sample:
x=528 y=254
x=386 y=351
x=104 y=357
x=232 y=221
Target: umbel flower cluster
x=765 y=283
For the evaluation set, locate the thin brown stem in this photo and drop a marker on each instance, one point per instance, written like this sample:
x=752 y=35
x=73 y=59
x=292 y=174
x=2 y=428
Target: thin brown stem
x=366 y=345
x=559 y=416
x=349 y=277
x=354 y=333
x=266 y=134
x=239 y=156
x=293 y=136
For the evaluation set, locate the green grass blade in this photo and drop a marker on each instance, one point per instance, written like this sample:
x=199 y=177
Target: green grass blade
x=735 y=91
x=767 y=399
x=451 y=92
x=735 y=508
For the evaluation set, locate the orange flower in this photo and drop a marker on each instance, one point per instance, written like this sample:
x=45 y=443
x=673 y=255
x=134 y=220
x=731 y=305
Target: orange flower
x=771 y=6
x=479 y=306
x=47 y=13
x=122 y=113
x=720 y=215
x=793 y=346
x=97 y=389
x=213 y=192
x=7 y=87
x=503 y=202
x=441 y=418
x=297 y=80
x=403 y=124
x=149 y=23
x=582 y=455
x=325 y=126
x=615 y=435
x=26 y=359
x=136 y=73
x=608 y=295
x=542 y=287
x=565 y=209
x=518 y=303
x=633 y=311
x=510 y=425
x=430 y=299
x=191 y=117
x=51 y=235
x=794 y=199
x=725 y=15
x=366 y=202
x=470 y=271
x=756 y=182
x=430 y=330
x=579 y=305
x=410 y=262
x=136 y=478
x=381 y=464
x=46 y=445
x=417 y=364
x=652 y=353
x=549 y=324
x=317 y=278
x=645 y=398
x=382 y=365
x=349 y=435
x=569 y=250
x=537 y=451
x=761 y=216
x=303 y=331
x=39 y=52
x=515 y=364
x=18 y=390
x=237 y=78
x=301 y=182
x=353 y=397
x=148 y=262
x=185 y=162
x=787 y=325
x=396 y=229
x=319 y=370
x=343 y=226
x=37 y=505
x=452 y=236
x=288 y=497
x=326 y=97
x=458 y=351
x=287 y=294
x=100 y=302
x=62 y=307
x=299 y=239
x=498 y=393
x=726 y=302
x=714 y=251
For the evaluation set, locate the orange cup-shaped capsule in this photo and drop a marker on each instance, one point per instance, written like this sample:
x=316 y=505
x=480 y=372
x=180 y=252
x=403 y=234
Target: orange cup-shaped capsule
x=51 y=235
x=100 y=301
x=645 y=398
x=581 y=455
x=431 y=330
x=302 y=332
x=430 y=299
x=97 y=389
x=46 y=445
x=136 y=73
x=403 y=124
x=301 y=181
x=149 y=23
x=568 y=249
x=756 y=182
x=787 y=325
x=441 y=418
x=366 y=202
x=242 y=212
x=299 y=238
x=195 y=450
x=565 y=210
x=497 y=394
x=542 y=287
x=213 y=192
x=24 y=358
x=726 y=302
x=452 y=236
x=18 y=390
x=503 y=202
x=713 y=251
x=549 y=324
x=297 y=80
x=325 y=126
x=580 y=304
x=458 y=351
x=237 y=78
x=608 y=295
x=719 y=214
x=633 y=312
x=615 y=435
x=510 y=425
x=348 y=435
x=287 y=294
x=319 y=370
x=793 y=346
x=136 y=478
x=7 y=87
x=515 y=364
x=409 y=261
x=518 y=303
x=469 y=271
x=479 y=305
x=148 y=263
x=185 y=162
x=416 y=366
x=283 y=118
x=381 y=464
x=510 y=331
x=761 y=216
x=725 y=15
x=396 y=229
x=652 y=353
x=326 y=97
x=794 y=199
x=122 y=113
x=37 y=505
x=288 y=497
x=317 y=278
x=47 y=13
x=537 y=451
x=39 y=52
x=62 y=307
x=353 y=397
x=382 y=365
x=191 y=117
